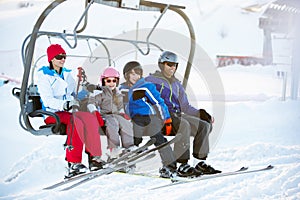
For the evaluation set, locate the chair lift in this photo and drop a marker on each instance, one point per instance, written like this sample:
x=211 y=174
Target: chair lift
x=28 y=95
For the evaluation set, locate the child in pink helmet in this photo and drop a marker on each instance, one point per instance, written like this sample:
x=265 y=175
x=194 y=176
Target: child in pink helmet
x=109 y=101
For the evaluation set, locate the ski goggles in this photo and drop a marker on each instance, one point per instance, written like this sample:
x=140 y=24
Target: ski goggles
x=110 y=80
x=60 y=56
x=171 y=64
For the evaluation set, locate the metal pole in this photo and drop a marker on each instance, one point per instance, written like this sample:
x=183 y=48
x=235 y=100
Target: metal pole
x=296 y=64
x=136 y=38
x=284 y=81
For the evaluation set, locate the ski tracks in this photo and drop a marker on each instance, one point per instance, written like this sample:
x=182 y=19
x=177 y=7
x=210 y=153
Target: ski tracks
x=40 y=159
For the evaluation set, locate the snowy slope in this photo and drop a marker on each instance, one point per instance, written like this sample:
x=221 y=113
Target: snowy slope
x=255 y=134
x=259 y=129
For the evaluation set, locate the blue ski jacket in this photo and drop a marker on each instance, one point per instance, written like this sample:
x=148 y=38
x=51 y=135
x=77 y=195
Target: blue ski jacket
x=145 y=100
x=173 y=93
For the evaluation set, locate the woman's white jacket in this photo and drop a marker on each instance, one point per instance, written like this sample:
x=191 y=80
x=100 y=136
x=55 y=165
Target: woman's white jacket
x=55 y=89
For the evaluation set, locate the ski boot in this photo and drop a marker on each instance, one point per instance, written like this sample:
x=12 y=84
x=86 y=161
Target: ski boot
x=114 y=153
x=96 y=163
x=206 y=169
x=185 y=170
x=75 y=169
x=168 y=172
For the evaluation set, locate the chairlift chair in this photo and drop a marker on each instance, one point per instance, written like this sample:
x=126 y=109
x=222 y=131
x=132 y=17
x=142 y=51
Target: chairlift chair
x=28 y=95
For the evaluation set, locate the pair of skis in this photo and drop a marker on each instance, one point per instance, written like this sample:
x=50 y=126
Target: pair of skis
x=243 y=170
x=139 y=155
x=128 y=159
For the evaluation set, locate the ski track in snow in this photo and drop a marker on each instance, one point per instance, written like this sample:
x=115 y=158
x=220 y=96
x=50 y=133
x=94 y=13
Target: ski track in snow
x=38 y=155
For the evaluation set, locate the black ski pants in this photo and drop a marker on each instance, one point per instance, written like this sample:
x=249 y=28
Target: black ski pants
x=189 y=126
x=152 y=126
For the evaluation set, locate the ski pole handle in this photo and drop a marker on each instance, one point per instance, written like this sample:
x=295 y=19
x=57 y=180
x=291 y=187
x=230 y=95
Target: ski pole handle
x=79 y=76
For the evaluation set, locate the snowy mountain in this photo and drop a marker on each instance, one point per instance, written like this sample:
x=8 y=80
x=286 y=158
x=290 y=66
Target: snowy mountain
x=259 y=128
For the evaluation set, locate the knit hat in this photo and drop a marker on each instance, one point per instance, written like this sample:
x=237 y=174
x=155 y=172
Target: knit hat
x=54 y=50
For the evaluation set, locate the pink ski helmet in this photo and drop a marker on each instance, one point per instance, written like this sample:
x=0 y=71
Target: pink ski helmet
x=110 y=72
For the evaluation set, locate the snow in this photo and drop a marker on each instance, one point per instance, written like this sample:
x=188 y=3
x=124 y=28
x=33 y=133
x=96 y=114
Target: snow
x=258 y=129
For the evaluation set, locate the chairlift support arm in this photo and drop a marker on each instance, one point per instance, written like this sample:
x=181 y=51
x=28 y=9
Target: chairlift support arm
x=154 y=6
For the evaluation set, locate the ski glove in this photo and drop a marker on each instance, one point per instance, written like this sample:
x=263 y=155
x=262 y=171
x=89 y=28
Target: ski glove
x=125 y=116
x=205 y=116
x=168 y=126
x=71 y=104
x=124 y=92
x=92 y=87
x=99 y=118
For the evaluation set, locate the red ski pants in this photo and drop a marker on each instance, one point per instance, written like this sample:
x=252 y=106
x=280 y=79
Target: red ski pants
x=82 y=128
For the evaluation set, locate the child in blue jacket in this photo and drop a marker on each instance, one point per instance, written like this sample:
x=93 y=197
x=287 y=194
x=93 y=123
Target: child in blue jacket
x=149 y=114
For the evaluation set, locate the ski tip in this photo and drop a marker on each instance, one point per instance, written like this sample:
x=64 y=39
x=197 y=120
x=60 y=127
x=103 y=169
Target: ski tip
x=64 y=189
x=243 y=168
x=270 y=167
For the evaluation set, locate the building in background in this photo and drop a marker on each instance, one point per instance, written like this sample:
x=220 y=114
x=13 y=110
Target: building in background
x=280 y=24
